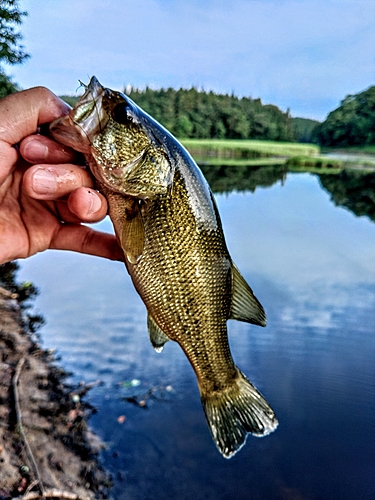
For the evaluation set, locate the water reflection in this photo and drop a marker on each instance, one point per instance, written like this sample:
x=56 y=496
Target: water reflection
x=224 y=179
x=312 y=266
x=353 y=189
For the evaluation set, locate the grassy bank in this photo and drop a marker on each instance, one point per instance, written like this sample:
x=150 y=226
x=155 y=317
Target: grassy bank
x=242 y=162
x=295 y=156
x=338 y=162
x=246 y=149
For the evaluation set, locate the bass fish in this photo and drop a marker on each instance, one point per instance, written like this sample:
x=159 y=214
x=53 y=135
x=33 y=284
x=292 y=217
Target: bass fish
x=166 y=220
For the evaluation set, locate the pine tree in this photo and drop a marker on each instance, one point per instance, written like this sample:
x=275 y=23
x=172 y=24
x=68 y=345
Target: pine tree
x=11 y=50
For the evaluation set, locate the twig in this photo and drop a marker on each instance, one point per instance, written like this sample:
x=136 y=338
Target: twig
x=152 y=393
x=31 y=486
x=53 y=494
x=20 y=426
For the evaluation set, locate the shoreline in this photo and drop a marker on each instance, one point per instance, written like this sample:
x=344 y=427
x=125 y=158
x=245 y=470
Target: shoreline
x=46 y=447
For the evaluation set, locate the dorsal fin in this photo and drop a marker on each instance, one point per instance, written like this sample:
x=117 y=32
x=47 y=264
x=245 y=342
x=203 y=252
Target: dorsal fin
x=245 y=306
x=157 y=337
x=133 y=232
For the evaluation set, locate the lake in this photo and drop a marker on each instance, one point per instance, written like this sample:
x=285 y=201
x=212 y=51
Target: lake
x=311 y=263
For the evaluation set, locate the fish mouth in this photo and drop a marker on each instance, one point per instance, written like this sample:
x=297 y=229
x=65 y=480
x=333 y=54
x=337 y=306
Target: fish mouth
x=88 y=117
x=89 y=113
x=94 y=87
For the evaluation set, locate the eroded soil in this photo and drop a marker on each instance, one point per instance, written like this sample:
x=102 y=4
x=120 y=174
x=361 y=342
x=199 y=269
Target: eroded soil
x=46 y=447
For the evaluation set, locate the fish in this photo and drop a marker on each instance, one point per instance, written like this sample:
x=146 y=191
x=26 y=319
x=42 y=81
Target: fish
x=166 y=220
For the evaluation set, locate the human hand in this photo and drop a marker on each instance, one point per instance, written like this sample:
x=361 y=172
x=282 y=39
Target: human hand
x=43 y=206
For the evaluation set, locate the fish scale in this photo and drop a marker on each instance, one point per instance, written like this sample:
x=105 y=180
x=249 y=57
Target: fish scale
x=170 y=256
x=169 y=228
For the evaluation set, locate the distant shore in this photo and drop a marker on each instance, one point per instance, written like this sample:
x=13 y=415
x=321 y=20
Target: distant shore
x=296 y=157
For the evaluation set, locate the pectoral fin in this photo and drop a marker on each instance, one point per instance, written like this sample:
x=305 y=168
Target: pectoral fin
x=157 y=337
x=133 y=232
x=245 y=306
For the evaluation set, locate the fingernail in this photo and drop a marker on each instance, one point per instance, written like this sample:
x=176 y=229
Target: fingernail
x=35 y=150
x=44 y=182
x=95 y=203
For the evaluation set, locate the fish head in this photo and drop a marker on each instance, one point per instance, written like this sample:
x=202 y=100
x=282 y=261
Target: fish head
x=123 y=144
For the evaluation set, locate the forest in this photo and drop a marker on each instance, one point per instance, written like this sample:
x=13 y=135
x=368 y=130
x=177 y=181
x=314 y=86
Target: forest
x=351 y=124
x=197 y=114
x=193 y=113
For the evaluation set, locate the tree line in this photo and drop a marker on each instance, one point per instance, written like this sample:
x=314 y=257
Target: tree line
x=351 y=124
x=196 y=114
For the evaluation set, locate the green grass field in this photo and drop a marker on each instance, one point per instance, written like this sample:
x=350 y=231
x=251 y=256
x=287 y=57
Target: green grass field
x=241 y=149
x=249 y=162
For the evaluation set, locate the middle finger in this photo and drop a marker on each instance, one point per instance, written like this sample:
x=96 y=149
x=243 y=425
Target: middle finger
x=40 y=149
x=50 y=182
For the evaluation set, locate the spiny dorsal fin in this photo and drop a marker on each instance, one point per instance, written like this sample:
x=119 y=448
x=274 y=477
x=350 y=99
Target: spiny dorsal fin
x=157 y=337
x=245 y=306
x=133 y=232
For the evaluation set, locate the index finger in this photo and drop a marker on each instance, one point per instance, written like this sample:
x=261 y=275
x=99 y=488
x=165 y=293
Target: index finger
x=21 y=113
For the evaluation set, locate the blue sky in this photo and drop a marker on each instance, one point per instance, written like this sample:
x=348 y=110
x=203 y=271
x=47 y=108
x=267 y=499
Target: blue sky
x=306 y=55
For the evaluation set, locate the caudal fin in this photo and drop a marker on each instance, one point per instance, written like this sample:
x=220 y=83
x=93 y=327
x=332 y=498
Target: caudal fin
x=234 y=412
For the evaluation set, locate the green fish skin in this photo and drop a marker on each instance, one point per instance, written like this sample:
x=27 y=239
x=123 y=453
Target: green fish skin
x=168 y=225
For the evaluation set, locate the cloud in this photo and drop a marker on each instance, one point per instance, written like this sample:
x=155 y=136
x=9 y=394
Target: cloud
x=305 y=55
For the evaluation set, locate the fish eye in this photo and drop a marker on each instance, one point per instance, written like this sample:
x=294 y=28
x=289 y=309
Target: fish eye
x=120 y=115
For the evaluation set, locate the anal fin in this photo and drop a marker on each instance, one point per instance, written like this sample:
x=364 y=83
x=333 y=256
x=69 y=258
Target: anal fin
x=245 y=306
x=157 y=337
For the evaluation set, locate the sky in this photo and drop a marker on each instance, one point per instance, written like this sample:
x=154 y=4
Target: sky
x=301 y=55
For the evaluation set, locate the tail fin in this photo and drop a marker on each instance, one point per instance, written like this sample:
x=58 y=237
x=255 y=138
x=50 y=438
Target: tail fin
x=234 y=412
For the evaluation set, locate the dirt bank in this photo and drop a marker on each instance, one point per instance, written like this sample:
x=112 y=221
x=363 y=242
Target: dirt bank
x=46 y=449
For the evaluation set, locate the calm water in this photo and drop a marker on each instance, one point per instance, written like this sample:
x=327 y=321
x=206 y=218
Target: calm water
x=312 y=265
